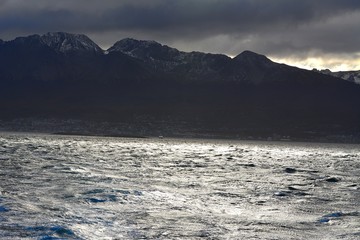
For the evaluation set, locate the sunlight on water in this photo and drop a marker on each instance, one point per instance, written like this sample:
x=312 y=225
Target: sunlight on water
x=70 y=187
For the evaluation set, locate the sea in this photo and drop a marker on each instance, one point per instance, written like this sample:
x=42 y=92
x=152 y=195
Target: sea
x=82 y=187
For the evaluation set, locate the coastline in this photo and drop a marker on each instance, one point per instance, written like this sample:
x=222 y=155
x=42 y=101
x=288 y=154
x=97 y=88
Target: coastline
x=194 y=137
x=170 y=129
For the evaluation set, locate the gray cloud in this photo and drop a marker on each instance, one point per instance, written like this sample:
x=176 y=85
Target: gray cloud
x=276 y=27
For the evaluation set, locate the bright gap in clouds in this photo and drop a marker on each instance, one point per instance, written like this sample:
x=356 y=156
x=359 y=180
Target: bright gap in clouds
x=334 y=63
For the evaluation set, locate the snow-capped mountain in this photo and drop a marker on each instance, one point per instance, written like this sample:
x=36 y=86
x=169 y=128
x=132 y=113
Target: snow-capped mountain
x=351 y=76
x=187 y=65
x=247 y=67
x=61 y=74
x=165 y=58
x=139 y=59
x=66 y=42
x=143 y=49
x=58 y=41
x=150 y=52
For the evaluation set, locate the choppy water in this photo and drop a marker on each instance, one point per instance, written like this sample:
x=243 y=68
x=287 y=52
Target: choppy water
x=66 y=187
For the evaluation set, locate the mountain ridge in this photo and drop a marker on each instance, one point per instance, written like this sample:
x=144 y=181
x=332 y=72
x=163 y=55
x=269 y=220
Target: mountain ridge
x=67 y=78
x=57 y=41
x=158 y=59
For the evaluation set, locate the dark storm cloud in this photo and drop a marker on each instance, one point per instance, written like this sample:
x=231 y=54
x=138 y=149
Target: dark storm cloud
x=279 y=25
x=224 y=16
x=275 y=27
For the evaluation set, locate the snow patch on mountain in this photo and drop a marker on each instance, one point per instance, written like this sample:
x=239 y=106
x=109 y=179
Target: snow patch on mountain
x=351 y=76
x=66 y=42
x=165 y=58
x=145 y=50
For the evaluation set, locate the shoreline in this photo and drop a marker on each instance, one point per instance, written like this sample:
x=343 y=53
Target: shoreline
x=195 y=137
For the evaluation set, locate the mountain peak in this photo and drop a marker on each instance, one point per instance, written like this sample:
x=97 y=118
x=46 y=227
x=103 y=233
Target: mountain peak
x=67 y=42
x=249 y=57
x=129 y=45
x=142 y=42
x=145 y=50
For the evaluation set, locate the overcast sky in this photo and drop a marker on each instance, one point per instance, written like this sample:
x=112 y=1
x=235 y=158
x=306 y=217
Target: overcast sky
x=306 y=33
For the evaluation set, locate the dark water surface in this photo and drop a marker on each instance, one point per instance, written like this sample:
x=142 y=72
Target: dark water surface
x=70 y=187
